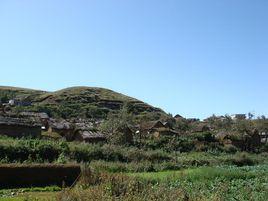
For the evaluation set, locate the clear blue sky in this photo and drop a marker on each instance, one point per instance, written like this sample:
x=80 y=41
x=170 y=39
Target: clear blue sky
x=190 y=57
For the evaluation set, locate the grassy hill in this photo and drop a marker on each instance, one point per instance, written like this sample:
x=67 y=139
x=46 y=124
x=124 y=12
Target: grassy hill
x=85 y=102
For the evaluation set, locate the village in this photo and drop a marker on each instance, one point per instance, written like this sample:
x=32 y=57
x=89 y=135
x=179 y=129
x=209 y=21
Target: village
x=41 y=125
x=68 y=141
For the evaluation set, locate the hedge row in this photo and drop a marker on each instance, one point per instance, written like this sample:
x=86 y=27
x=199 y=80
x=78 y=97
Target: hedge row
x=40 y=151
x=18 y=176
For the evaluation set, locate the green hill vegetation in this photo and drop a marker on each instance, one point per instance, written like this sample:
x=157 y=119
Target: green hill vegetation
x=82 y=102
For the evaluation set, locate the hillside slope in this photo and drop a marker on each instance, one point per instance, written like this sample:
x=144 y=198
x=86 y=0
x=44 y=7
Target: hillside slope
x=84 y=102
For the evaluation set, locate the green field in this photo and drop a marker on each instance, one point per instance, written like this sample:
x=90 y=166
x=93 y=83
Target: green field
x=203 y=183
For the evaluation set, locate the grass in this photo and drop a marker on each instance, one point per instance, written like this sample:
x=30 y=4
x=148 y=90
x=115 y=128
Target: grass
x=51 y=135
x=86 y=102
x=114 y=158
x=203 y=173
x=195 y=184
x=33 y=194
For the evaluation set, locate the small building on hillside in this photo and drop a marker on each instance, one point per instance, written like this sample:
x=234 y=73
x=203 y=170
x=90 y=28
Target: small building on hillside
x=63 y=128
x=42 y=116
x=168 y=124
x=244 y=141
x=156 y=129
x=200 y=127
x=224 y=137
x=177 y=116
x=85 y=131
x=19 y=127
x=89 y=136
x=148 y=127
x=128 y=133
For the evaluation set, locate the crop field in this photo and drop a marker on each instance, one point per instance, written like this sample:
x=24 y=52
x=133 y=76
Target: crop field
x=202 y=183
x=112 y=172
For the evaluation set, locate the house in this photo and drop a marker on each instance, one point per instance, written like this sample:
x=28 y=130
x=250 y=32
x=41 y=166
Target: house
x=151 y=125
x=89 y=136
x=224 y=137
x=19 y=127
x=178 y=117
x=39 y=115
x=42 y=116
x=156 y=129
x=127 y=131
x=231 y=138
x=200 y=127
x=244 y=141
x=168 y=124
x=63 y=128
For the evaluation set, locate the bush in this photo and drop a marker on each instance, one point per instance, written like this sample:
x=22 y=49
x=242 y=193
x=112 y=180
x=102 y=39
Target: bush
x=264 y=148
x=114 y=153
x=14 y=175
x=242 y=159
x=170 y=143
x=47 y=152
x=230 y=148
x=204 y=136
x=86 y=153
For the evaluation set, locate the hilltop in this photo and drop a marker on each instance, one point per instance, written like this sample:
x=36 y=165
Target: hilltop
x=82 y=102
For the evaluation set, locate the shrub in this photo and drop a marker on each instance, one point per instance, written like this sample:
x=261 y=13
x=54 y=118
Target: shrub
x=264 y=148
x=204 y=136
x=167 y=166
x=48 y=152
x=230 y=148
x=242 y=159
x=157 y=156
x=105 y=166
x=114 y=153
x=14 y=175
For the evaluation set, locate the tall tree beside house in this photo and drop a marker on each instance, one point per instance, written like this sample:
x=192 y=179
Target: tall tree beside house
x=261 y=123
x=227 y=122
x=112 y=126
x=181 y=125
x=220 y=122
x=243 y=125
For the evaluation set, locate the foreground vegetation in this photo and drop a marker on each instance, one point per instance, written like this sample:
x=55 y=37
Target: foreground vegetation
x=128 y=173
x=203 y=183
x=116 y=158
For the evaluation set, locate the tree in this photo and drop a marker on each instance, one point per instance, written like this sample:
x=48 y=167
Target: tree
x=220 y=122
x=243 y=126
x=114 y=121
x=113 y=124
x=261 y=123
